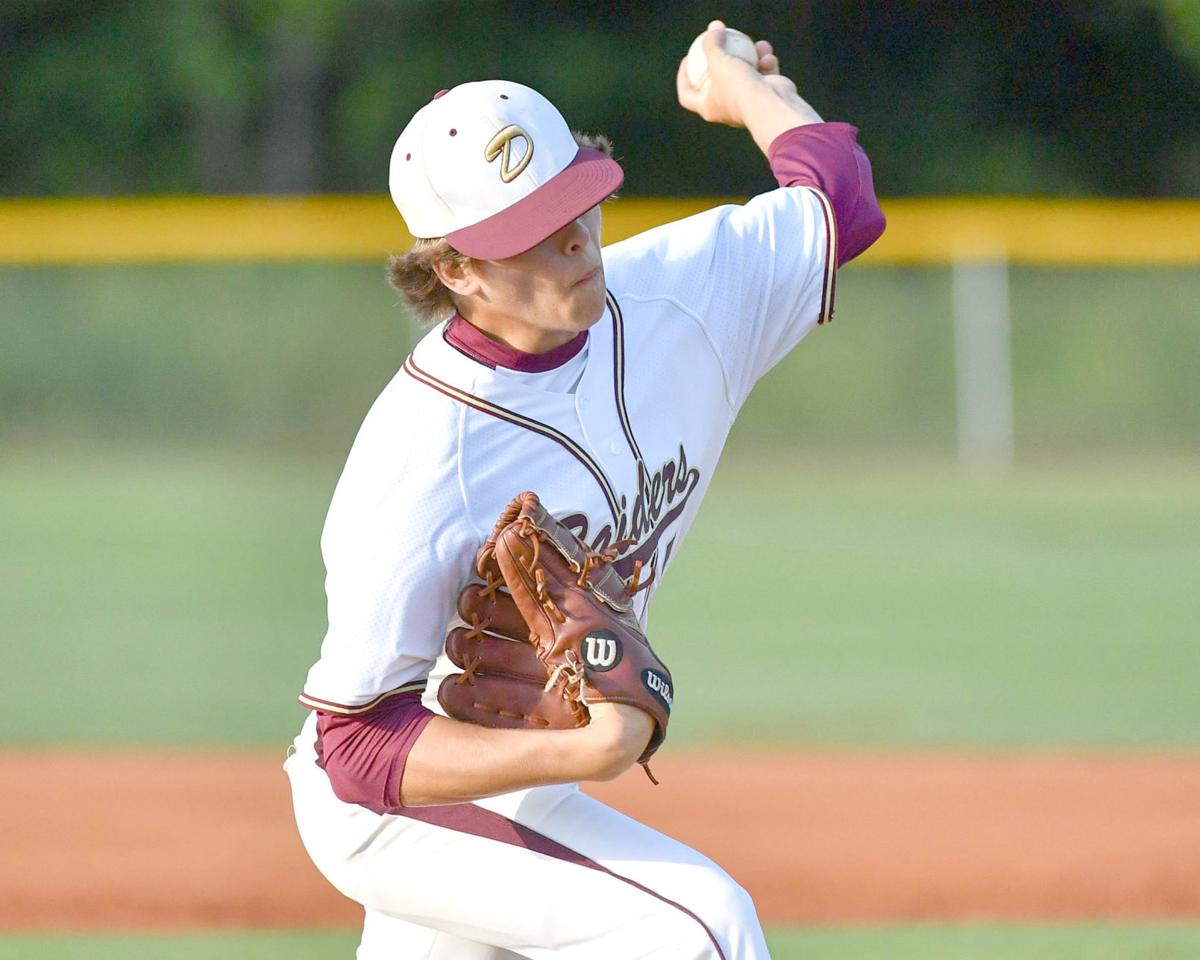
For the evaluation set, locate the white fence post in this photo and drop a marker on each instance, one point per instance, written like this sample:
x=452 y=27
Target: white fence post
x=983 y=365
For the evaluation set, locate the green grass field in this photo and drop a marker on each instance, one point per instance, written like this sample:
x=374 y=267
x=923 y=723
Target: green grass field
x=967 y=942
x=292 y=353
x=177 y=599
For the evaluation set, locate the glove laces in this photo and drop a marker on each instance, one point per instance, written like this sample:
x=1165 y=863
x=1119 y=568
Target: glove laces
x=575 y=682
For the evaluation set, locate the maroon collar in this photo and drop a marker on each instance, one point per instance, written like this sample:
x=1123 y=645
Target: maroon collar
x=491 y=353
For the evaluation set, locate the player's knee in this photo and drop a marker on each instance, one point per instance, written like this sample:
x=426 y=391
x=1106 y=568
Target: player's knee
x=739 y=905
x=719 y=894
x=727 y=911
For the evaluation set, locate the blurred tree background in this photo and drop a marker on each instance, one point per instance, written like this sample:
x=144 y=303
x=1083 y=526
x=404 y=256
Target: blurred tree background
x=296 y=96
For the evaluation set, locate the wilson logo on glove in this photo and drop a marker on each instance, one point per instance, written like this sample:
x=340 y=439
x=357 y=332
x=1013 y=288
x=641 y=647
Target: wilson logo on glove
x=659 y=685
x=601 y=650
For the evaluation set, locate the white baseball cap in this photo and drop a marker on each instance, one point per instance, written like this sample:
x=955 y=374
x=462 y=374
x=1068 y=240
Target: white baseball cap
x=492 y=167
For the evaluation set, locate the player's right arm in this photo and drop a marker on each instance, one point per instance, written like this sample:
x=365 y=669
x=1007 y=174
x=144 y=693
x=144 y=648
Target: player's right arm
x=756 y=278
x=765 y=102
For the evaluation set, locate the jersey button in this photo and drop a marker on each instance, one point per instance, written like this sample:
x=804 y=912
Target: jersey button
x=614 y=448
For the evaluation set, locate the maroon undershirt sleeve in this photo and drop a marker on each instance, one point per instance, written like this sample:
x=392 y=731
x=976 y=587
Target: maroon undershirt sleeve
x=364 y=756
x=827 y=156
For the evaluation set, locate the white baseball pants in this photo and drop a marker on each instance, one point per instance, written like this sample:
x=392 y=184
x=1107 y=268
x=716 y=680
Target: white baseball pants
x=543 y=873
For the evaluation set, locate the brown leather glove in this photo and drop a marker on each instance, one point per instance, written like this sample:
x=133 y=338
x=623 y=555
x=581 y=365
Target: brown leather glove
x=552 y=629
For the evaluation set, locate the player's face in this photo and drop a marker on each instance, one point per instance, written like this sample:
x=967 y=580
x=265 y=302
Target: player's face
x=542 y=298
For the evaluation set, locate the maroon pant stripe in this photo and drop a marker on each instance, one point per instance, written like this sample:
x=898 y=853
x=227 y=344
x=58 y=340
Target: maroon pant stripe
x=468 y=818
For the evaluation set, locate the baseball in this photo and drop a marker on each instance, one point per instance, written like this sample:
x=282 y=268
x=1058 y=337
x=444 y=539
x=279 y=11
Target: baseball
x=737 y=44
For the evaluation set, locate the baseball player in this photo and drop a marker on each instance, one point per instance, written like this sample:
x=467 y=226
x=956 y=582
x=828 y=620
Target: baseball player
x=607 y=382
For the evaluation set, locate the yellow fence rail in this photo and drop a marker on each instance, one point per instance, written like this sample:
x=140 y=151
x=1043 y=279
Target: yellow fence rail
x=920 y=231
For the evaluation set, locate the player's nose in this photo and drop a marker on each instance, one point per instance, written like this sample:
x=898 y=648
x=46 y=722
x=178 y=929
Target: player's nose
x=575 y=237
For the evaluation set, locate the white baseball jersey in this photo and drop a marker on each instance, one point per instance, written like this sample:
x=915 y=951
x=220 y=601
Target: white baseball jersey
x=620 y=441
x=618 y=432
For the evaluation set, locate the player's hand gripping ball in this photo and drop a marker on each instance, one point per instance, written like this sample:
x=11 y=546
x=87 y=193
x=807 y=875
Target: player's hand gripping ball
x=551 y=630
x=737 y=44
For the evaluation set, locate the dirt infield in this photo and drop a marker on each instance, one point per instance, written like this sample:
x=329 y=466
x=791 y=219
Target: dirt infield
x=154 y=841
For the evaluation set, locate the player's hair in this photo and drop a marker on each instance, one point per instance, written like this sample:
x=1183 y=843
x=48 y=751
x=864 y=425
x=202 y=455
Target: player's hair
x=413 y=276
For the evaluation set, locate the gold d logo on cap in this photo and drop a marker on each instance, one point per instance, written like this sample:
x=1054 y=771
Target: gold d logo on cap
x=501 y=146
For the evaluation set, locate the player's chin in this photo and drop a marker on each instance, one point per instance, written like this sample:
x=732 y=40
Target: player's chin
x=587 y=302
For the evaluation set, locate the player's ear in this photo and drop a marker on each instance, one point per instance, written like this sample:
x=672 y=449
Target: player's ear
x=457 y=276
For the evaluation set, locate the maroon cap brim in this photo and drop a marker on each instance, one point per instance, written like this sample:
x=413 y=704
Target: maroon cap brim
x=591 y=177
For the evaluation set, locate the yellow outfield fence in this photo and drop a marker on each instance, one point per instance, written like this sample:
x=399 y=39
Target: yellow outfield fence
x=920 y=230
